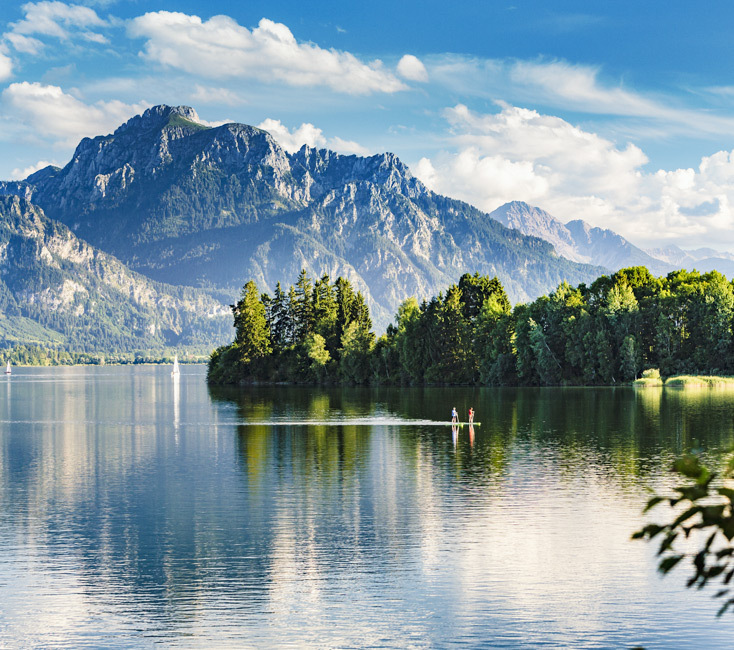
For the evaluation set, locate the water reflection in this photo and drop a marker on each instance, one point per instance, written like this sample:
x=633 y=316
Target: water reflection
x=135 y=508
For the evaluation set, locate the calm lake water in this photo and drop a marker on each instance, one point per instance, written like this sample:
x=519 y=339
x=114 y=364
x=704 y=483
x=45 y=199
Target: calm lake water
x=137 y=510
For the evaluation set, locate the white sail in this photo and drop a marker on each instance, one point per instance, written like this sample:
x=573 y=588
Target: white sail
x=175 y=370
x=7 y=369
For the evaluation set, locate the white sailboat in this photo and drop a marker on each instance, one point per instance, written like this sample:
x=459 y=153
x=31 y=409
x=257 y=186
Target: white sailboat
x=175 y=372
x=7 y=369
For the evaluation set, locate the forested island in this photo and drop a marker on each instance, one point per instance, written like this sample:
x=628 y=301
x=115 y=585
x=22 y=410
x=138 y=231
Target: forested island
x=601 y=334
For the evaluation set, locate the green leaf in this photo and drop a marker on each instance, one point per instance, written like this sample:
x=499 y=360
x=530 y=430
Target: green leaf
x=715 y=571
x=667 y=542
x=727 y=527
x=649 y=531
x=712 y=514
x=692 y=492
x=654 y=501
x=686 y=515
x=690 y=466
x=669 y=562
x=725 y=606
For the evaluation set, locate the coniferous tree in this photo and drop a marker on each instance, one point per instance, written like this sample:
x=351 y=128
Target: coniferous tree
x=325 y=313
x=303 y=306
x=344 y=300
x=252 y=336
x=281 y=319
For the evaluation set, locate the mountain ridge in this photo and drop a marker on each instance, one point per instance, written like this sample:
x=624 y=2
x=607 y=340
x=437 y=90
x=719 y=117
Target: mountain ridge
x=185 y=203
x=578 y=240
x=88 y=300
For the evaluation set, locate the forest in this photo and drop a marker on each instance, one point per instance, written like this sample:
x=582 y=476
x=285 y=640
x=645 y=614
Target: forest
x=601 y=334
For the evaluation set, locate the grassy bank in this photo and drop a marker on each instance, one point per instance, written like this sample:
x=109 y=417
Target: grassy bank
x=648 y=382
x=685 y=381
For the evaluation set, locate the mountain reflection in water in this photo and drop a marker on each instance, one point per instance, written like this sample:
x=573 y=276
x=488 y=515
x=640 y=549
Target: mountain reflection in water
x=136 y=508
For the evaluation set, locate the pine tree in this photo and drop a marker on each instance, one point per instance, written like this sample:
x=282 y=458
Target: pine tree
x=325 y=313
x=252 y=336
x=303 y=308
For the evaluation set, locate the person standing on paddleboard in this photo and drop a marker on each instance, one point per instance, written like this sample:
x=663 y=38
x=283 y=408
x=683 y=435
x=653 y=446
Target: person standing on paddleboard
x=471 y=415
x=454 y=415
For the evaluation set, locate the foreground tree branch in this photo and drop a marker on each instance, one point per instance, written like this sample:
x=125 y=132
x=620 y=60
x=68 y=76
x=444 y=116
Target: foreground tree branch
x=702 y=510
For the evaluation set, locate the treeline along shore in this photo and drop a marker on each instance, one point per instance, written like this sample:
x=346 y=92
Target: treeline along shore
x=601 y=334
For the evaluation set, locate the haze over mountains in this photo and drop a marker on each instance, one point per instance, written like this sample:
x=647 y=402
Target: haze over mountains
x=578 y=241
x=182 y=203
x=57 y=289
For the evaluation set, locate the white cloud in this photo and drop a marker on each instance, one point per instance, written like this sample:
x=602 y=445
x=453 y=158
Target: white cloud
x=56 y=20
x=292 y=141
x=309 y=135
x=213 y=95
x=519 y=154
x=24 y=44
x=21 y=174
x=570 y=87
x=49 y=113
x=6 y=66
x=221 y=48
x=347 y=146
x=411 y=67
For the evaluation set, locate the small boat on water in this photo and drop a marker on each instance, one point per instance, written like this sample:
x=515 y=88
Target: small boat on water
x=7 y=369
x=175 y=372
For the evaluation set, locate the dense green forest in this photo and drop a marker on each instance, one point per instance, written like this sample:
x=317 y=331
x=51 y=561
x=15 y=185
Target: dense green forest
x=55 y=355
x=600 y=334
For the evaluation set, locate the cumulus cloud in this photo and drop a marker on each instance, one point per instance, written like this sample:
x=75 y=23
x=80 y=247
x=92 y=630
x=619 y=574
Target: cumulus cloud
x=56 y=20
x=308 y=134
x=411 y=67
x=520 y=154
x=6 y=66
x=49 y=113
x=19 y=174
x=221 y=48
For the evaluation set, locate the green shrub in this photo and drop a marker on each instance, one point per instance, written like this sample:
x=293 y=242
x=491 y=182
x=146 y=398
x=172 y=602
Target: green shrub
x=651 y=373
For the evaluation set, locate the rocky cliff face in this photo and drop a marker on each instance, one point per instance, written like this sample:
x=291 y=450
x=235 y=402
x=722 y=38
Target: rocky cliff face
x=188 y=204
x=87 y=298
x=577 y=240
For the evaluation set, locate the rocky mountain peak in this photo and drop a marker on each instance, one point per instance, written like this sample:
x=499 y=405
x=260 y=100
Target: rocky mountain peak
x=519 y=215
x=580 y=229
x=160 y=116
x=530 y=220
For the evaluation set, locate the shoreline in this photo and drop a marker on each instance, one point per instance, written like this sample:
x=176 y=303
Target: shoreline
x=685 y=381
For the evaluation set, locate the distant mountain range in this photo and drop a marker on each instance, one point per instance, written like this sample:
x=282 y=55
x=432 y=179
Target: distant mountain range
x=578 y=241
x=702 y=259
x=170 y=203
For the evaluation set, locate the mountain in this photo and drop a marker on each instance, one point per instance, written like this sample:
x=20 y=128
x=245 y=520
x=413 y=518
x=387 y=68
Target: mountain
x=56 y=288
x=534 y=221
x=187 y=204
x=701 y=259
x=577 y=240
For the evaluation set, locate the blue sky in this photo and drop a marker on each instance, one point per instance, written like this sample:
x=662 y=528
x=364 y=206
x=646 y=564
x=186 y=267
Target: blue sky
x=618 y=113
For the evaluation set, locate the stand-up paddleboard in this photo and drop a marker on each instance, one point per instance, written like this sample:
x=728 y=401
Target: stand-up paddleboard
x=461 y=424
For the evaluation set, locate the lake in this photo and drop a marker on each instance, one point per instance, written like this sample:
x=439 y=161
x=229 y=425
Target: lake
x=138 y=510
